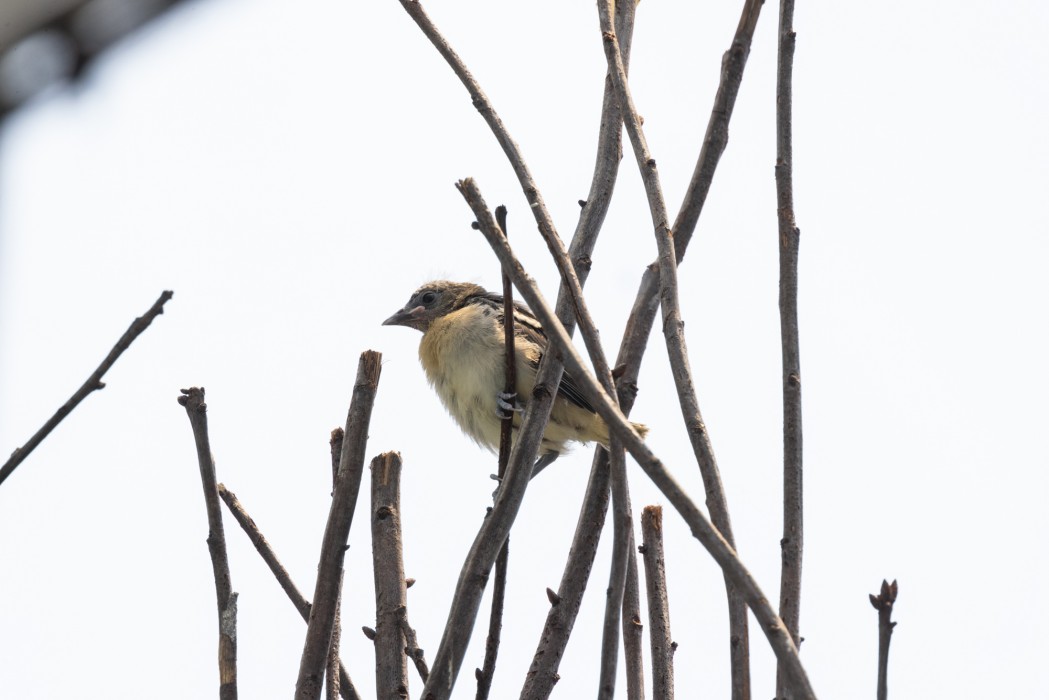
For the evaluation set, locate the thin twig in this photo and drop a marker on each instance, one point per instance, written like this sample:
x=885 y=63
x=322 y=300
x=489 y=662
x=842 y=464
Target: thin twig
x=346 y=687
x=411 y=646
x=709 y=537
x=93 y=383
x=658 y=604
x=193 y=401
x=606 y=168
x=332 y=679
x=883 y=603
x=622 y=544
x=391 y=667
x=486 y=673
x=715 y=140
x=333 y=547
x=792 y=543
x=673 y=331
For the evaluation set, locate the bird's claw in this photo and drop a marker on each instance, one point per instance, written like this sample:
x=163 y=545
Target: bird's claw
x=505 y=407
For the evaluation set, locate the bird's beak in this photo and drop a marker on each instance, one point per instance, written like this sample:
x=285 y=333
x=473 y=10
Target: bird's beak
x=404 y=317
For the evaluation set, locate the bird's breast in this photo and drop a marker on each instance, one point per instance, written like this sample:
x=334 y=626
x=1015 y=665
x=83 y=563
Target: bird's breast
x=462 y=356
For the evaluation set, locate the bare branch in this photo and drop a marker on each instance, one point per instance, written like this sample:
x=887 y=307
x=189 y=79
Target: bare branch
x=633 y=631
x=333 y=547
x=883 y=603
x=701 y=528
x=391 y=668
x=193 y=401
x=262 y=545
x=715 y=140
x=792 y=543
x=564 y=607
x=673 y=331
x=486 y=673
x=658 y=604
x=622 y=545
x=542 y=675
x=93 y=383
x=333 y=680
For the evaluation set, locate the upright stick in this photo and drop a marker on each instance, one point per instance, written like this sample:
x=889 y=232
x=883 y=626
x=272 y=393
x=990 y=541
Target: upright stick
x=196 y=409
x=793 y=534
x=391 y=664
x=340 y=516
x=883 y=603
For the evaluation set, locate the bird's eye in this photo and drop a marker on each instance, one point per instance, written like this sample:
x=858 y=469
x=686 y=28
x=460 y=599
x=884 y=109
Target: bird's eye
x=429 y=297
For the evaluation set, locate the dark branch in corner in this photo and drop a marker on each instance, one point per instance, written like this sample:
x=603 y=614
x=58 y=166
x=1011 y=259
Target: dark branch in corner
x=93 y=383
x=340 y=517
x=883 y=603
x=193 y=401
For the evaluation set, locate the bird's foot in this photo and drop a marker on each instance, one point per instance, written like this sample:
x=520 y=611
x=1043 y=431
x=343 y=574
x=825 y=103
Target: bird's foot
x=505 y=406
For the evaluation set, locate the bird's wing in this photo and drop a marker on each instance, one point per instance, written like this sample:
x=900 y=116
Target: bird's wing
x=527 y=326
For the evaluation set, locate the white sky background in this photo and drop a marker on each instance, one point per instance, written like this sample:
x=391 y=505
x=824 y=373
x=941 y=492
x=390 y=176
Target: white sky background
x=287 y=169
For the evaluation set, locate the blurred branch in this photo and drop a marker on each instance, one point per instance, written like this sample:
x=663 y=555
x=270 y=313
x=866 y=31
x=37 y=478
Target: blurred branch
x=93 y=383
x=262 y=545
x=391 y=667
x=883 y=603
x=658 y=604
x=193 y=401
x=792 y=543
x=701 y=528
x=333 y=547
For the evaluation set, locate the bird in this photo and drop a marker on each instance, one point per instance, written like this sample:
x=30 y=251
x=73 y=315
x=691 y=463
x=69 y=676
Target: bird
x=462 y=352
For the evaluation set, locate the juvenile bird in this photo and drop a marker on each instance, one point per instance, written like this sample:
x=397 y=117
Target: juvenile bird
x=463 y=354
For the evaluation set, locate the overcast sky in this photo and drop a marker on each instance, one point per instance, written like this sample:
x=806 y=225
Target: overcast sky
x=288 y=169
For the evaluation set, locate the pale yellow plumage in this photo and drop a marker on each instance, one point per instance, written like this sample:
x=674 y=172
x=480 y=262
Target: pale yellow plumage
x=462 y=354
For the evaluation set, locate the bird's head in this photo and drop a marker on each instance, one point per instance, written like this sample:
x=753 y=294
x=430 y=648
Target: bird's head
x=432 y=301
